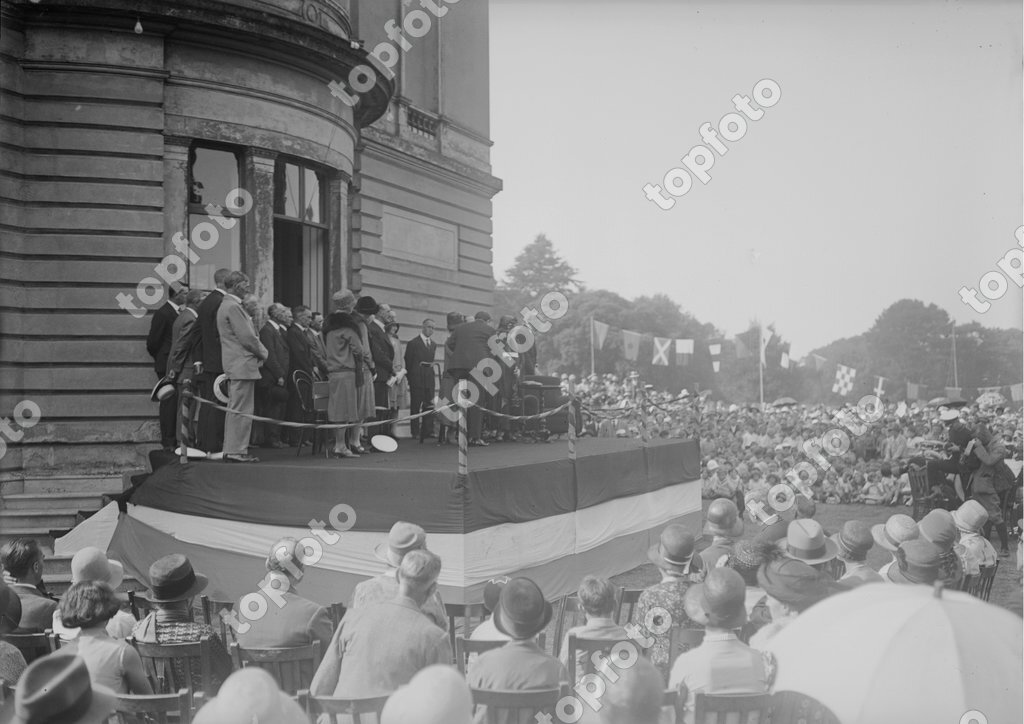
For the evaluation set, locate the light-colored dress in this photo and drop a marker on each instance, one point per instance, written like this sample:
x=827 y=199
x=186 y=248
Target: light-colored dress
x=398 y=393
x=365 y=400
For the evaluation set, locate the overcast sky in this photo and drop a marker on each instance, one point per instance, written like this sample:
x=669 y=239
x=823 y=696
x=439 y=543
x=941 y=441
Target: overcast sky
x=890 y=167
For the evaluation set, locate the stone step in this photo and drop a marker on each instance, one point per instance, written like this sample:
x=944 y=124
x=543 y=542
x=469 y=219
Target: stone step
x=49 y=501
x=53 y=519
x=43 y=536
x=96 y=484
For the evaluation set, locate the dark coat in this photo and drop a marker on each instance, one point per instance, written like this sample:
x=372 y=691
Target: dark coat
x=382 y=352
x=468 y=344
x=416 y=352
x=277 y=364
x=300 y=355
x=158 y=343
x=209 y=351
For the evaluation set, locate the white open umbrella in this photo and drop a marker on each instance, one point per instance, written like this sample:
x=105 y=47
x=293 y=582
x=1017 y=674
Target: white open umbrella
x=886 y=653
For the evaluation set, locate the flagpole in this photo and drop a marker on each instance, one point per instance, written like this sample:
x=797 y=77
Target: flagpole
x=760 y=366
x=592 y=369
x=956 y=380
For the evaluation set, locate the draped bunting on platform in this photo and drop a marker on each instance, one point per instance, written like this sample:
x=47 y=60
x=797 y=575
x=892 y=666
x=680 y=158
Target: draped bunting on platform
x=631 y=344
x=684 y=351
x=600 y=332
x=662 y=350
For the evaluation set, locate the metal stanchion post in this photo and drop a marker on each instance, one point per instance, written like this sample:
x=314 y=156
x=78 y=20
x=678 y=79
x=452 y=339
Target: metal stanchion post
x=463 y=435
x=184 y=417
x=571 y=414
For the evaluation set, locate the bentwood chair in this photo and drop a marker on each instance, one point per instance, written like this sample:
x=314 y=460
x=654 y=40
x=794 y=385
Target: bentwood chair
x=981 y=584
x=170 y=667
x=33 y=646
x=154 y=708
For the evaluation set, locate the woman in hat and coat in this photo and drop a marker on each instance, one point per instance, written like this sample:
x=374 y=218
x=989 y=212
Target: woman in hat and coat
x=347 y=361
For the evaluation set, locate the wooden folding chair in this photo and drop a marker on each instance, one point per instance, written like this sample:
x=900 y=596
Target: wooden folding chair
x=468 y=612
x=292 y=668
x=171 y=667
x=212 y=617
x=589 y=647
x=628 y=599
x=465 y=647
x=790 y=707
x=569 y=606
x=981 y=585
x=735 y=708
x=337 y=612
x=681 y=640
x=33 y=646
x=154 y=709
x=358 y=710
x=518 y=706
x=139 y=605
x=921 y=492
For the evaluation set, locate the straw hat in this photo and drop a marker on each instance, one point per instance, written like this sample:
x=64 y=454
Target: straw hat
x=402 y=538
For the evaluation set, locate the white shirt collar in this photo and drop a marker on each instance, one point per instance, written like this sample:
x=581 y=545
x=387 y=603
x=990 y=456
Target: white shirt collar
x=229 y=294
x=174 y=306
x=425 y=338
x=378 y=322
x=194 y=312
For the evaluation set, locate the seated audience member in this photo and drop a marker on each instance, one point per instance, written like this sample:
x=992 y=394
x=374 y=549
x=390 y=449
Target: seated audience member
x=634 y=697
x=487 y=631
x=87 y=607
x=854 y=542
x=970 y=519
x=674 y=556
x=746 y=559
x=22 y=559
x=436 y=695
x=519 y=665
x=12 y=662
x=724 y=524
x=597 y=598
x=939 y=528
x=404 y=537
x=892 y=534
x=917 y=561
x=295 y=621
x=381 y=646
x=172 y=586
x=722 y=664
x=57 y=689
x=791 y=587
x=250 y=695
x=873 y=492
x=91 y=564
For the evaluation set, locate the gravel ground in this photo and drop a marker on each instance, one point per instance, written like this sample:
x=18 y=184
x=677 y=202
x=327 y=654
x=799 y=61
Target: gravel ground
x=1006 y=590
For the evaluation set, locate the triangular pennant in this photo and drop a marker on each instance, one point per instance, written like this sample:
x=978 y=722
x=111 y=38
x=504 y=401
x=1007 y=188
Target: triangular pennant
x=631 y=344
x=765 y=339
x=662 y=347
x=600 y=332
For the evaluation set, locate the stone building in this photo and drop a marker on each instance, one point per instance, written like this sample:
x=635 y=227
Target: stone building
x=126 y=125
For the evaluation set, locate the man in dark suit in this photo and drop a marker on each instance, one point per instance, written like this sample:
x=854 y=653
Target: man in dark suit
x=316 y=344
x=211 y=422
x=301 y=359
x=420 y=353
x=158 y=344
x=185 y=348
x=271 y=392
x=383 y=357
x=468 y=344
x=242 y=354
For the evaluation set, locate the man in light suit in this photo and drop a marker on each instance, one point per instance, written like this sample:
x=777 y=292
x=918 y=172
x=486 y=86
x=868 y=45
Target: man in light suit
x=271 y=393
x=158 y=344
x=420 y=353
x=186 y=347
x=241 y=355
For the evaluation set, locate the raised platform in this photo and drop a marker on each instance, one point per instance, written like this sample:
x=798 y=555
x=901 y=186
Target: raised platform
x=524 y=508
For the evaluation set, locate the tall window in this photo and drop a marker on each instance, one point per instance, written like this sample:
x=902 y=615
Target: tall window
x=213 y=175
x=300 y=236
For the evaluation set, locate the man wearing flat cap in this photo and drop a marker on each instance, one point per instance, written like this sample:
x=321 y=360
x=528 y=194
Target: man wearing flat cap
x=722 y=664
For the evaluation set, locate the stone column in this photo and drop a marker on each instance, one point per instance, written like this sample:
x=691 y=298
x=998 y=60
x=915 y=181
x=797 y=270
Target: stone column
x=338 y=221
x=258 y=226
x=175 y=189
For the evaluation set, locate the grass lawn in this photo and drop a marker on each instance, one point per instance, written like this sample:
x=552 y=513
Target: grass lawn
x=1006 y=590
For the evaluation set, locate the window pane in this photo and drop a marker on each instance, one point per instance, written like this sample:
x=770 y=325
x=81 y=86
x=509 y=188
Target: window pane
x=312 y=196
x=226 y=252
x=214 y=175
x=286 y=189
